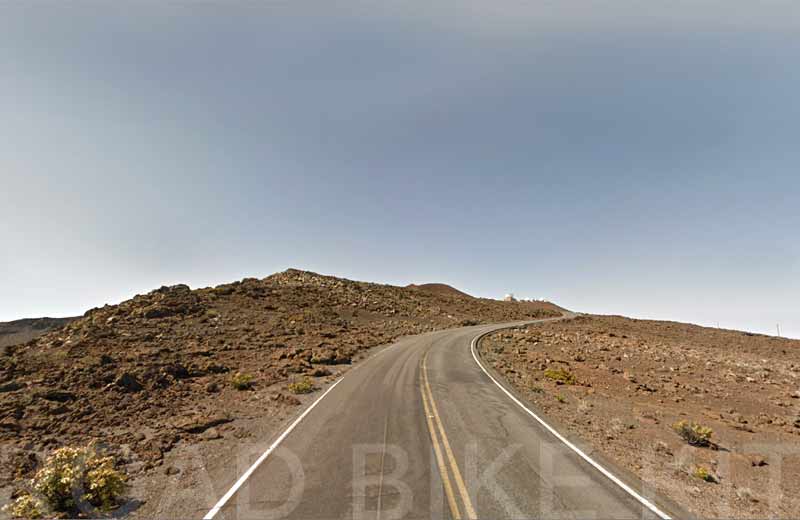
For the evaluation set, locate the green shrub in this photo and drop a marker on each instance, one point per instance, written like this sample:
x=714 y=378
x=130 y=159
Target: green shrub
x=70 y=477
x=693 y=433
x=561 y=399
x=303 y=386
x=561 y=376
x=242 y=381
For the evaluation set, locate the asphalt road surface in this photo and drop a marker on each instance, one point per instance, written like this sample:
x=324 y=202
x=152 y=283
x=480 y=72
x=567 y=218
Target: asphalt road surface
x=421 y=431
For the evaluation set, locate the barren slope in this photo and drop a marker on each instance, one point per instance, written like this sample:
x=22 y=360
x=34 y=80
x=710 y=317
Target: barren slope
x=635 y=379
x=156 y=370
x=20 y=331
x=440 y=289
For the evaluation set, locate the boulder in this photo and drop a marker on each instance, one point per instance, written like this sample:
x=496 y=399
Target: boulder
x=127 y=382
x=11 y=386
x=199 y=423
x=58 y=396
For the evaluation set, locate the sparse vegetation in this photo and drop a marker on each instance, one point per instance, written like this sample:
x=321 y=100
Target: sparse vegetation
x=703 y=473
x=70 y=479
x=150 y=360
x=693 y=433
x=561 y=399
x=242 y=381
x=638 y=378
x=24 y=507
x=561 y=376
x=302 y=386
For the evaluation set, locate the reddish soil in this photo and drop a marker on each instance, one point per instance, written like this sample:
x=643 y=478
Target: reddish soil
x=635 y=379
x=154 y=373
x=440 y=289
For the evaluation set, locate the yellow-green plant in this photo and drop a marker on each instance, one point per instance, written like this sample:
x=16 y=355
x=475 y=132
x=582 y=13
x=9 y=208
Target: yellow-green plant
x=703 y=474
x=561 y=376
x=693 y=433
x=71 y=479
x=242 y=381
x=25 y=506
x=303 y=386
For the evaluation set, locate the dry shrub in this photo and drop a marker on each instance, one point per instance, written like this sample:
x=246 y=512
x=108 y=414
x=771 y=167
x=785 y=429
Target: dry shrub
x=561 y=376
x=303 y=386
x=71 y=480
x=703 y=474
x=24 y=507
x=693 y=433
x=242 y=381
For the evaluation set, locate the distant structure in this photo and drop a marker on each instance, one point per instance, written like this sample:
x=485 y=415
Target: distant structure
x=511 y=298
x=532 y=299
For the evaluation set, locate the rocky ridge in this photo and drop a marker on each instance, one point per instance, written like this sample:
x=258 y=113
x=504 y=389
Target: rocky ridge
x=156 y=370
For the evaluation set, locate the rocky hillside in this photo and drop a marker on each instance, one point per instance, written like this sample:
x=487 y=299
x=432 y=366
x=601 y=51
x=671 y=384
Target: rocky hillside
x=20 y=331
x=622 y=385
x=157 y=370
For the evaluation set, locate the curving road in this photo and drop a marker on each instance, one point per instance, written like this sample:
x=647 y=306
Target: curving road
x=420 y=430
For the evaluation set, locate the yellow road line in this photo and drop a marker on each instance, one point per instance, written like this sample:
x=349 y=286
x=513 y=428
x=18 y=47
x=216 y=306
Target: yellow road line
x=462 y=488
x=448 y=489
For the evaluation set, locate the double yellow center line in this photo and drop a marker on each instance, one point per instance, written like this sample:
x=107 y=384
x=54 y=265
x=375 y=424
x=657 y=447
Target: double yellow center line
x=450 y=465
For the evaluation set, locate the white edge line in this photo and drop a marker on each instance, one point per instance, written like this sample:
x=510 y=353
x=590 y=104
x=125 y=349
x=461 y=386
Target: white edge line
x=652 y=507
x=232 y=491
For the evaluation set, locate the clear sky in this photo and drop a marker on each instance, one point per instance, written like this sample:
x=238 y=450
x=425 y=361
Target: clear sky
x=632 y=157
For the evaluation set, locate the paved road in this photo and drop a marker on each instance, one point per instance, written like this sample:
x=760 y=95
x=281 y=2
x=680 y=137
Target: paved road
x=421 y=431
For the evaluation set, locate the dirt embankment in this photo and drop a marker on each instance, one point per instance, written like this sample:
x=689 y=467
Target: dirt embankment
x=633 y=380
x=157 y=371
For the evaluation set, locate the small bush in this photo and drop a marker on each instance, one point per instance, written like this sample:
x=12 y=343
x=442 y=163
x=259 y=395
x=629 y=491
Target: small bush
x=24 y=507
x=242 y=381
x=703 y=474
x=71 y=477
x=561 y=376
x=303 y=386
x=561 y=399
x=693 y=433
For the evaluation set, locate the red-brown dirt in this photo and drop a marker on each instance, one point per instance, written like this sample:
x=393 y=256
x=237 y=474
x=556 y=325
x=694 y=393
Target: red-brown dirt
x=634 y=379
x=440 y=289
x=156 y=371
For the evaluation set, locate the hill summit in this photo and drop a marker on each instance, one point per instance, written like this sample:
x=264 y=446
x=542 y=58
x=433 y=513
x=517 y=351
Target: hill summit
x=440 y=289
x=157 y=369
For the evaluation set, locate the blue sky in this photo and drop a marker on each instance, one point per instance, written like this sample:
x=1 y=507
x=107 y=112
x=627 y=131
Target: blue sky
x=624 y=157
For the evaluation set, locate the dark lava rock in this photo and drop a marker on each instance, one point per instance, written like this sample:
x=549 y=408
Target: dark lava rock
x=58 y=396
x=127 y=382
x=11 y=386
